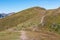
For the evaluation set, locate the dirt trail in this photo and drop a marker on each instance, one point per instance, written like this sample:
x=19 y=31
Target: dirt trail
x=32 y=35
x=23 y=35
x=42 y=20
x=42 y=36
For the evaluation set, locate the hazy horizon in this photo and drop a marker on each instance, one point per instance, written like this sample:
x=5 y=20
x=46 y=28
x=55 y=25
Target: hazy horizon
x=8 y=6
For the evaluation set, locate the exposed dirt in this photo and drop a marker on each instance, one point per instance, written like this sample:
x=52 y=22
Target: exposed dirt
x=32 y=35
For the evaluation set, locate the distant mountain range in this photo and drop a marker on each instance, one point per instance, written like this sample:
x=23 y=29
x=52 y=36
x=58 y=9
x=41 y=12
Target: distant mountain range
x=3 y=15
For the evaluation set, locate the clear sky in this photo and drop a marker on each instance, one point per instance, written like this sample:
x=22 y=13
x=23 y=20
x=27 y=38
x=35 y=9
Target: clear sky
x=7 y=6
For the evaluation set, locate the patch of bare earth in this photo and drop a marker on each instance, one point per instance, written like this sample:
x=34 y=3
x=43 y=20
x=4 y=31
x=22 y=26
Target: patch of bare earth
x=33 y=35
x=37 y=35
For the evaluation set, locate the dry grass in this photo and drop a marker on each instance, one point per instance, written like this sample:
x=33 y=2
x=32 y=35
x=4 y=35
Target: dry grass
x=29 y=19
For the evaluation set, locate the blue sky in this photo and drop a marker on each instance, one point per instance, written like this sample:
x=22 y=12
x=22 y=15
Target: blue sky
x=7 y=6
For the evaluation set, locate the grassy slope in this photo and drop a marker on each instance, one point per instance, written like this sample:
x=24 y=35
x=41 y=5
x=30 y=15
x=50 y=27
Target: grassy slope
x=20 y=17
x=53 y=20
x=28 y=18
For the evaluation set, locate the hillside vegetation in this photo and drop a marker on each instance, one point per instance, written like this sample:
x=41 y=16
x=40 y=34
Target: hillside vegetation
x=37 y=22
x=20 y=17
x=32 y=17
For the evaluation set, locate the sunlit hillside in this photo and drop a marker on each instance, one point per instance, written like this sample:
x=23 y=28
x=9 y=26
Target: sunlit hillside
x=34 y=23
